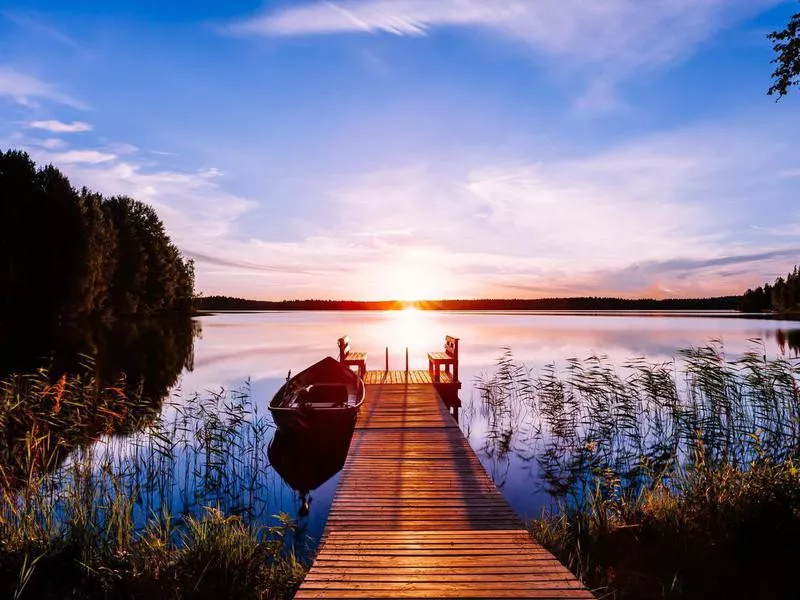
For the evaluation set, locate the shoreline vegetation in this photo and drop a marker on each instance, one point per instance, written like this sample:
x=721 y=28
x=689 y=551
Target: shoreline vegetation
x=672 y=480
x=717 y=532
x=171 y=510
x=782 y=297
x=227 y=303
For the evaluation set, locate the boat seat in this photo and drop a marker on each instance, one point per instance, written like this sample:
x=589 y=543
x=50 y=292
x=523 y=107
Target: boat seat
x=333 y=394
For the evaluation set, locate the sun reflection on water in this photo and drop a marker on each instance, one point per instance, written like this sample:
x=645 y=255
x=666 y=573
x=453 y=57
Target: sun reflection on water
x=410 y=328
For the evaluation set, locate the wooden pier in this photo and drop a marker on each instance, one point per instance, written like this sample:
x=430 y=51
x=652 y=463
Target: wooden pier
x=416 y=516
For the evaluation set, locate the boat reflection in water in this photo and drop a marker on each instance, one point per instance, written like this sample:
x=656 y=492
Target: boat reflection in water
x=305 y=459
x=315 y=412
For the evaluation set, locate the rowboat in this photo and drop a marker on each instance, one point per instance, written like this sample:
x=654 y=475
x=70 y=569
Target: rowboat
x=325 y=395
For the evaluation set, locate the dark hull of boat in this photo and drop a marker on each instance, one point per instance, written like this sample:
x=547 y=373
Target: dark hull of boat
x=312 y=416
x=300 y=421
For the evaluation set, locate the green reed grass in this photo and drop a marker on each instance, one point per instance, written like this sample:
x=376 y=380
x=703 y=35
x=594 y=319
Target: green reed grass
x=105 y=497
x=672 y=480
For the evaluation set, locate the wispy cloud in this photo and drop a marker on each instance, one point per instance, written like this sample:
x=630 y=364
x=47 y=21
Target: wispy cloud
x=61 y=127
x=244 y=265
x=631 y=34
x=700 y=276
x=91 y=157
x=39 y=27
x=27 y=90
x=683 y=265
x=792 y=228
x=51 y=143
x=193 y=205
x=600 y=97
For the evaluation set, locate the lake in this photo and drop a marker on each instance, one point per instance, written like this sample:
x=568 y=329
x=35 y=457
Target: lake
x=230 y=356
x=263 y=347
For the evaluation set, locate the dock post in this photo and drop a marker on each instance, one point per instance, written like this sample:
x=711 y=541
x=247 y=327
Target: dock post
x=406 y=361
x=387 y=359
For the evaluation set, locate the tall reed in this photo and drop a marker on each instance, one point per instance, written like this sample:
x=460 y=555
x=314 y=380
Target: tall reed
x=644 y=423
x=176 y=507
x=670 y=480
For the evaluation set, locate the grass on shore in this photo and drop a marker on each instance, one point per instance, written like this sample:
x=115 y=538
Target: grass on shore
x=213 y=556
x=722 y=532
x=170 y=511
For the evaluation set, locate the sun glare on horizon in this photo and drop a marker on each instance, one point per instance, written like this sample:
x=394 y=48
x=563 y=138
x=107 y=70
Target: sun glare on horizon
x=407 y=282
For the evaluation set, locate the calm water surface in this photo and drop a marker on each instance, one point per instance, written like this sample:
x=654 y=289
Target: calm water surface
x=261 y=348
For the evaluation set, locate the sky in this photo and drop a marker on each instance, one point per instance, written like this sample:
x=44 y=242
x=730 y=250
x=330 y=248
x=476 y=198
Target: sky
x=382 y=149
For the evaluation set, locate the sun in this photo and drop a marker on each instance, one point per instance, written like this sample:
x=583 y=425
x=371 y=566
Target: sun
x=409 y=283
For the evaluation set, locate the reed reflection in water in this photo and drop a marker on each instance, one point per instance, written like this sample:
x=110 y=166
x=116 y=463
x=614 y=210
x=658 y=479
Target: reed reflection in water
x=132 y=366
x=623 y=429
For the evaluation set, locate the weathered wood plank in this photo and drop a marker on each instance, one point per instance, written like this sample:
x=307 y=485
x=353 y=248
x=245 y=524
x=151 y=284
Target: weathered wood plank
x=416 y=516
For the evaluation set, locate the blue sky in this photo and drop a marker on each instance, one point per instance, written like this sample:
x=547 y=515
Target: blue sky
x=425 y=148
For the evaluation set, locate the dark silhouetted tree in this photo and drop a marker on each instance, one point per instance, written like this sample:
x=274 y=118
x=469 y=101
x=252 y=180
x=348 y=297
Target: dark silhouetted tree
x=100 y=258
x=65 y=253
x=786 y=294
x=786 y=44
x=783 y=297
x=757 y=300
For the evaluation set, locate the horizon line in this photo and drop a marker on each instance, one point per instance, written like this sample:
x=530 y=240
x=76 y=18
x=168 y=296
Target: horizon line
x=481 y=299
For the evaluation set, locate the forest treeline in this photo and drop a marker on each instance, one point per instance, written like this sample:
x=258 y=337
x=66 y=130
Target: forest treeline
x=67 y=253
x=212 y=303
x=781 y=297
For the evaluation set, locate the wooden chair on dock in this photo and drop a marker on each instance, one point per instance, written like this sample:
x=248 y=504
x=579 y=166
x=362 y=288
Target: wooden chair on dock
x=348 y=358
x=446 y=358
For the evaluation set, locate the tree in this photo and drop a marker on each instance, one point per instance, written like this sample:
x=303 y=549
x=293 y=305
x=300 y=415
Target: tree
x=66 y=254
x=101 y=253
x=43 y=246
x=786 y=44
x=757 y=300
x=783 y=297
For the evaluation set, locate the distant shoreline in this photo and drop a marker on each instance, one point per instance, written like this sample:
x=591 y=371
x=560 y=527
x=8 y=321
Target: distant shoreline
x=699 y=314
x=722 y=306
x=722 y=303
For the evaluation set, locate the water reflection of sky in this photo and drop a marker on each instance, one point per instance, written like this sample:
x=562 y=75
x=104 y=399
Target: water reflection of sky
x=263 y=347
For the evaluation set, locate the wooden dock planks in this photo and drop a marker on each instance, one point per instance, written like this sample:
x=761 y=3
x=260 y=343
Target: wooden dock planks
x=416 y=516
x=414 y=376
